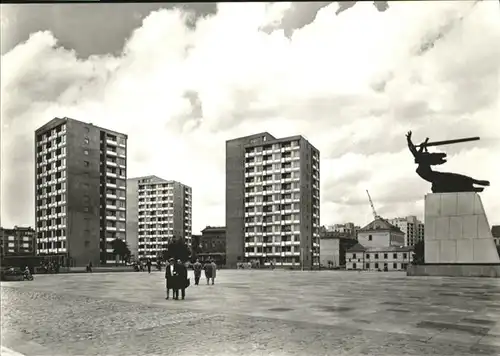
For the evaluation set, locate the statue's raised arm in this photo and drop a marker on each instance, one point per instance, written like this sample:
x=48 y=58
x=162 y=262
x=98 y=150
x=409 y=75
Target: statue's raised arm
x=411 y=146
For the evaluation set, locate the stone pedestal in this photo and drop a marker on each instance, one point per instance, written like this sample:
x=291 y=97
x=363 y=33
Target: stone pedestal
x=458 y=236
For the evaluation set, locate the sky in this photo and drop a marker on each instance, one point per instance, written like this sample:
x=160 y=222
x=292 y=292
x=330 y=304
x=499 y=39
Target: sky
x=181 y=80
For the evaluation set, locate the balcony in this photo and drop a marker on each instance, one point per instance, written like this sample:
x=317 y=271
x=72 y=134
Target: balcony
x=111 y=174
x=110 y=228
x=111 y=142
x=111 y=217
x=111 y=196
x=111 y=185
x=111 y=153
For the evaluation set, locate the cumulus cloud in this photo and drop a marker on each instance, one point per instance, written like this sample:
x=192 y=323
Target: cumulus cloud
x=352 y=82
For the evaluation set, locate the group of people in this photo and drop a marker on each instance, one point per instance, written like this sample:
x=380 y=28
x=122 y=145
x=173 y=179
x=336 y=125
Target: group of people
x=176 y=276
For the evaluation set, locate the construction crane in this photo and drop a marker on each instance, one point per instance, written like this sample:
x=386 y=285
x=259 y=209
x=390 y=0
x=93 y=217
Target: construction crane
x=375 y=215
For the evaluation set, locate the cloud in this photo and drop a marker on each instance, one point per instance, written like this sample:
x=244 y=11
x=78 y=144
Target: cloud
x=352 y=82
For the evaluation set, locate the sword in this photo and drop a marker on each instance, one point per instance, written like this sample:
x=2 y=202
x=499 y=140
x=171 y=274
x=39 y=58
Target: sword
x=449 y=142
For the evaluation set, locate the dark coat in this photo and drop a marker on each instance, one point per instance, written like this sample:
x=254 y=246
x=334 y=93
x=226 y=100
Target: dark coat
x=181 y=276
x=169 y=277
x=209 y=270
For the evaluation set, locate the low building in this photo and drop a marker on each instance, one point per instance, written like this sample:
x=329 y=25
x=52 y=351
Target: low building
x=212 y=244
x=495 y=231
x=19 y=241
x=389 y=258
x=333 y=247
x=381 y=233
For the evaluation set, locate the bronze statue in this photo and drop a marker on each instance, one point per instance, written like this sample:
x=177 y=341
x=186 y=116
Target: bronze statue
x=442 y=182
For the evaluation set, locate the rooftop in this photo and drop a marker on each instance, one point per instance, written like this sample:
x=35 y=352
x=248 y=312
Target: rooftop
x=360 y=248
x=380 y=224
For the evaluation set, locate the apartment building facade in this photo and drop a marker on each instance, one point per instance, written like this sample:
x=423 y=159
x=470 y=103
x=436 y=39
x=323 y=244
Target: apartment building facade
x=272 y=201
x=17 y=241
x=80 y=191
x=412 y=228
x=159 y=210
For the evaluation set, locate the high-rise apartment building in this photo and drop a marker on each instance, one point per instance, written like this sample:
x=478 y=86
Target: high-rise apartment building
x=412 y=228
x=272 y=201
x=159 y=210
x=80 y=191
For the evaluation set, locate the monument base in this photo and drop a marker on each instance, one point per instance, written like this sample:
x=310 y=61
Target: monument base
x=455 y=270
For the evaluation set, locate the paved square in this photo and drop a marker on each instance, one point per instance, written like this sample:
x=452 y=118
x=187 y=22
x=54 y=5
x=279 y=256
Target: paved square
x=251 y=312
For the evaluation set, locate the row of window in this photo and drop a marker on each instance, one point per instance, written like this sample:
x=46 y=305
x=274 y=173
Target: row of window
x=376 y=265
x=51 y=245
x=386 y=255
x=51 y=133
x=117 y=203
x=60 y=199
x=47 y=222
x=272 y=167
x=269 y=177
x=271 y=219
x=270 y=188
x=50 y=178
x=52 y=233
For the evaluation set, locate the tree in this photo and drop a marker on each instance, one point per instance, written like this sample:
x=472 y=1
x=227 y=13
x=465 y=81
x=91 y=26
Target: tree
x=178 y=250
x=121 y=249
x=418 y=253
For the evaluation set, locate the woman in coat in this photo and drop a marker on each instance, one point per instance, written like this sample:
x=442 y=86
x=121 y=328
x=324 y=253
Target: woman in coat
x=169 y=276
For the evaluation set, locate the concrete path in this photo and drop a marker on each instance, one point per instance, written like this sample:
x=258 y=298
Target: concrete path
x=251 y=312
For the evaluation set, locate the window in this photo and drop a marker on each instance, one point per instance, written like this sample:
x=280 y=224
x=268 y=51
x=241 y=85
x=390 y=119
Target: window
x=86 y=140
x=395 y=265
x=367 y=256
x=369 y=237
x=367 y=266
x=376 y=265
x=354 y=266
x=87 y=129
x=404 y=255
x=394 y=255
x=376 y=256
x=86 y=163
x=86 y=209
x=385 y=256
x=353 y=255
x=86 y=152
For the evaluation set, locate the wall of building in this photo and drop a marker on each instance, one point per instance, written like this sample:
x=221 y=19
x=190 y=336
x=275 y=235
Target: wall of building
x=394 y=261
x=178 y=201
x=132 y=215
x=17 y=241
x=83 y=193
x=374 y=238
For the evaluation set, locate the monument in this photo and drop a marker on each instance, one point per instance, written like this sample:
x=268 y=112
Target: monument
x=457 y=238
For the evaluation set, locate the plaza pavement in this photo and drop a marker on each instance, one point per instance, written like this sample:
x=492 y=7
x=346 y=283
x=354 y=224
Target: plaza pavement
x=252 y=312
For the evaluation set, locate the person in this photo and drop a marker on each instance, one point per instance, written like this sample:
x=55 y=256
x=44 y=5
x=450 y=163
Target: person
x=148 y=263
x=181 y=280
x=214 y=271
x=208 y=271
x=27 y=272
x=169 y=276
x=197 y=267
x=90 y=267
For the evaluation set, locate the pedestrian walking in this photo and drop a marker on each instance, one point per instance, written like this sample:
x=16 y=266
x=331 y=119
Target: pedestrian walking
x=197 y=267
x=169 y=277
x=181 y=280
x=148 y=263
x=214 y=271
